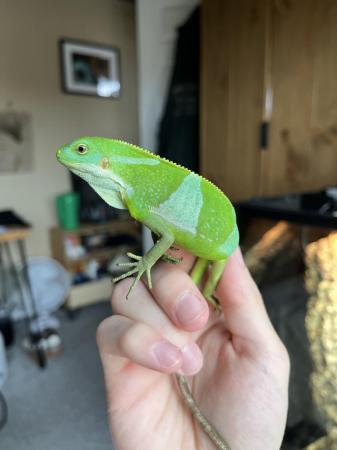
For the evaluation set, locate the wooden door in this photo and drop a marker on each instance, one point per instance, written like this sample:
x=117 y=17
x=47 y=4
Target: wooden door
x=302 y=153
x=285 y=47
x=233 y=36
x=323 y=132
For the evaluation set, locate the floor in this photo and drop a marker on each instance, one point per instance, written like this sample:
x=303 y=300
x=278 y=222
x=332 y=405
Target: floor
x=63 y=406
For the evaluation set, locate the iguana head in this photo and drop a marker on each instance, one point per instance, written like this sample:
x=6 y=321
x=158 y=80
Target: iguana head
x=88 y=157
x=84 y=155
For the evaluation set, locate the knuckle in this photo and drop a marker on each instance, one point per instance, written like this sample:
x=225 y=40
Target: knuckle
x=170 y=283
x=100 y=332
x=104 y=337
x=131 y=336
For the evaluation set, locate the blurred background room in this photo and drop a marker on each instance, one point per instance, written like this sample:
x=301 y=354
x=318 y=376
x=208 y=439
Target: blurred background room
x=242 y=91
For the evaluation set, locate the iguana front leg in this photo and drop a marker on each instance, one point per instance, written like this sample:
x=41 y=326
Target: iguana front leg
x=143 y=264
x=166 y=257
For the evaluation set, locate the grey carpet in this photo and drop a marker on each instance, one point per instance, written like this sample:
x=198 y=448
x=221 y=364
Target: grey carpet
x=62 y=407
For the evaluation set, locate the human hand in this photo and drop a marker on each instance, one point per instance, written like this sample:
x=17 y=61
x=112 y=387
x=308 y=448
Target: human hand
x=240 y=366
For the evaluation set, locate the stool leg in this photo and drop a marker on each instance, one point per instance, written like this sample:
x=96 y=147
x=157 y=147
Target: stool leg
x=2 y=279
x=26 y=278
x=16 y=277
x=40 y=352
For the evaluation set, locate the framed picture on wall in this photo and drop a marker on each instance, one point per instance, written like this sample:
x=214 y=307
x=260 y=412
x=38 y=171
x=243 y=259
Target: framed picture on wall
x=90 y=69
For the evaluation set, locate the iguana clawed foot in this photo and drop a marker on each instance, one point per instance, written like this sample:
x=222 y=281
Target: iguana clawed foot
x=214 y=302
x=140 y=267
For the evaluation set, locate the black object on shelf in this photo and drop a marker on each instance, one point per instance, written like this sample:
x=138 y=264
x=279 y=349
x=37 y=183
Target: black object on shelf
x=121 y=239
x=93 y=209
x=10 y=218
x=317 y=208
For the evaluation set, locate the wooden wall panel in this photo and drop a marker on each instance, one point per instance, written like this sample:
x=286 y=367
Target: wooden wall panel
x=292 y=57
x=232 y=93
x=214 y=89
x=323 y=131
x=303 y=144
x=289 y=46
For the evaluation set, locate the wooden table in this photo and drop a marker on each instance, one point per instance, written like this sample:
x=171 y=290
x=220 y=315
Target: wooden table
x=14 y=234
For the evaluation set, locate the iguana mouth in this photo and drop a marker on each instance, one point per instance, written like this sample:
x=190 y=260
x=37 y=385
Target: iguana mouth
x=75 y=166
x=103 y=179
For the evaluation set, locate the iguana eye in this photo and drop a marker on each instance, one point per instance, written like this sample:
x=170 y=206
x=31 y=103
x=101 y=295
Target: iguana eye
x=81 y=149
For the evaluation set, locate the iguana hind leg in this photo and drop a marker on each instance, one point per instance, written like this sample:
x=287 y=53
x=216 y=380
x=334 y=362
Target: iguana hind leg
x=214 y=276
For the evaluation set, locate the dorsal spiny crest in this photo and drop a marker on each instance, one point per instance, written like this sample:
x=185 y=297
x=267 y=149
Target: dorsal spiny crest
x=161 y=158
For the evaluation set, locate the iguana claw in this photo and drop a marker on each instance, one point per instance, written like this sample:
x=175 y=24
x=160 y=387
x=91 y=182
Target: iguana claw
x=140 y=267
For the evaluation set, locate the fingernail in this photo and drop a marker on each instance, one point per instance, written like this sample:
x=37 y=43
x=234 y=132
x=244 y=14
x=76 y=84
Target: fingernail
x=188 y=308
x=192 y=359
x=166 y=354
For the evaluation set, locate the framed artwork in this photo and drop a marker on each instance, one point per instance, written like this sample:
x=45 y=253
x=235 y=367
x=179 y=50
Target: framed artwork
x=90 y=69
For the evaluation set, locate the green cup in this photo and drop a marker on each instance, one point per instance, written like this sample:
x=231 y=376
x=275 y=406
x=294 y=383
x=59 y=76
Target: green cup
x=68 y=206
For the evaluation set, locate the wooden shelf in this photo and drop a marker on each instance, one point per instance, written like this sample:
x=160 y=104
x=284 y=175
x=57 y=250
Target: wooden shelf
x=99 y=255
x=85 y=294
x=120 y=226
x=96 y=290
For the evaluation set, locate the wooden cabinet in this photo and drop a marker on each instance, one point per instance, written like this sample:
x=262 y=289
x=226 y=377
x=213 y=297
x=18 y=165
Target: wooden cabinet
x=272 y=61
x=99 y=243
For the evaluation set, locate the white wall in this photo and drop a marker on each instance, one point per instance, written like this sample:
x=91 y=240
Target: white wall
x=29 y=78
x=157 y=21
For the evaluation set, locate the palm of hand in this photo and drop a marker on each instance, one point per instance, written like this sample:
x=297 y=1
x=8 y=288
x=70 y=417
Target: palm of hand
x=148 y=410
